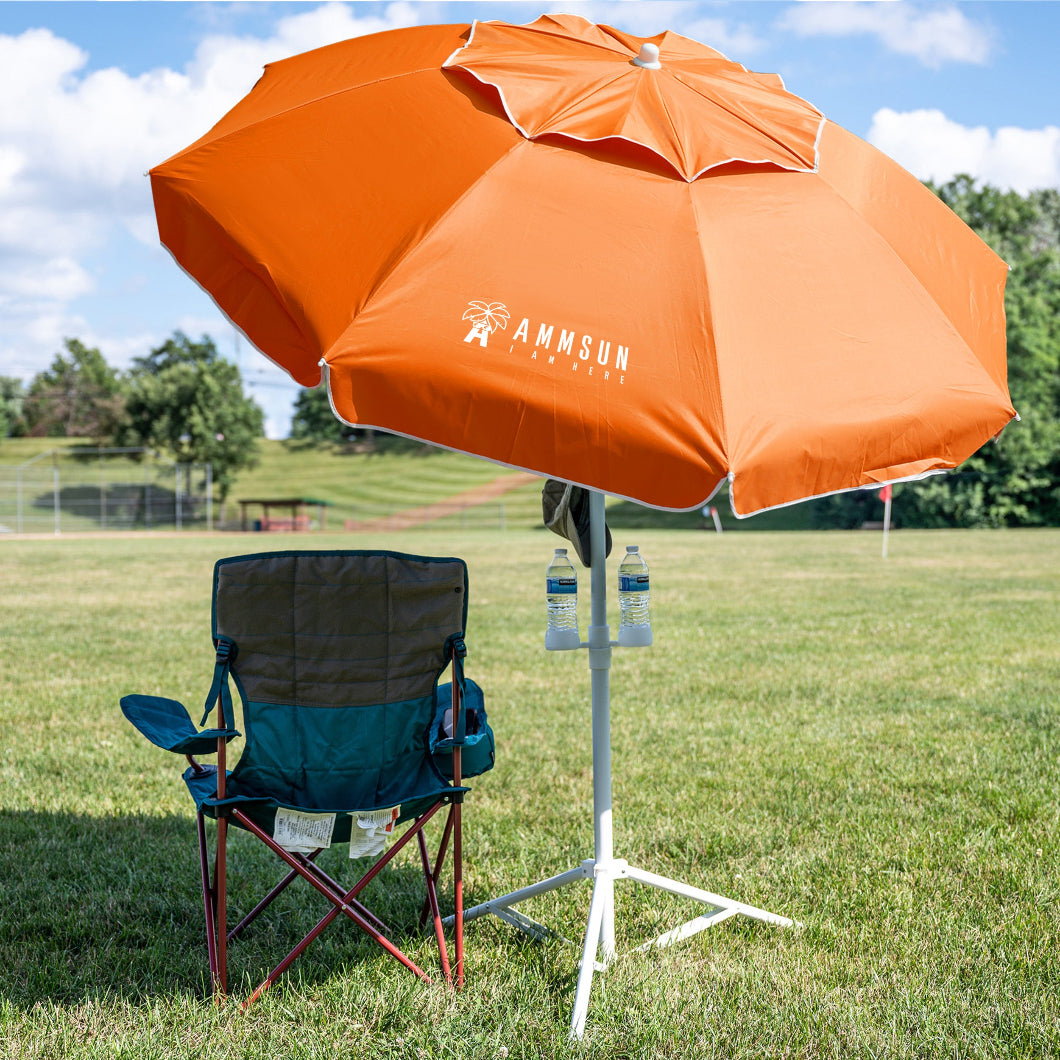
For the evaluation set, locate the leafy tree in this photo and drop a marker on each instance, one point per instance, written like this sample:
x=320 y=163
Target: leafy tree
x=12 y=397
x=846 y=511
x=188 y=400
x=79 y=396
x=1045 y=231
x=313 y=420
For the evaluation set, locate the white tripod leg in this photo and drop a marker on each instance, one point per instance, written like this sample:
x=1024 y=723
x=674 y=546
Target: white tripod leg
x=603 y=889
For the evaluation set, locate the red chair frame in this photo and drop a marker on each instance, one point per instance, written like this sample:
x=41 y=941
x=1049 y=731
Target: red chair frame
x=344 y=901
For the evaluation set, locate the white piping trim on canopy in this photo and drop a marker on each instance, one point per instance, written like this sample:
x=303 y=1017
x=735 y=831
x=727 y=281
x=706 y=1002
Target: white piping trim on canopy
x=834 y=493
x=730 y=477
x=585 y=140
x=504 y=463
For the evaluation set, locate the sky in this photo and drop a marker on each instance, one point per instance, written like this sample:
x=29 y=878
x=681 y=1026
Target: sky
x=94 y=93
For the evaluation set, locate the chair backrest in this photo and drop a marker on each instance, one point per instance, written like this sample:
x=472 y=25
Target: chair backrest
x=338 y=655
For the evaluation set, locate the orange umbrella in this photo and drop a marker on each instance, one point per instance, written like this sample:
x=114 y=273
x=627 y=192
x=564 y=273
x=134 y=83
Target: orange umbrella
x=624 y=262
x=627 y=263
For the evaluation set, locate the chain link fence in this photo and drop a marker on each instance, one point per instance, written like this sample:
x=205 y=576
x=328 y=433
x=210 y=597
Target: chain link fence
x=67 y=490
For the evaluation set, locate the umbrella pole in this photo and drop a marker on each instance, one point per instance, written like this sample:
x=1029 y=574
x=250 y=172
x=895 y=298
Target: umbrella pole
x=604 y=868
x=600 y=931
x=600 y=670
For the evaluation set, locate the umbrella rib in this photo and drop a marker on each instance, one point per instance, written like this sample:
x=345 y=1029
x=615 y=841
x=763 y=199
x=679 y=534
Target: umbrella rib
x=725 y=448
x=759 y=129
x=562 y=34
x=423 y=235
x=672 y=125
x=265 y=278
x=920 y=286
x=580 y=100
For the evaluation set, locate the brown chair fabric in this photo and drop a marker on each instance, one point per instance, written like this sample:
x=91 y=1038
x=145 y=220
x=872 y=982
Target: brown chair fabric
x=339 y=629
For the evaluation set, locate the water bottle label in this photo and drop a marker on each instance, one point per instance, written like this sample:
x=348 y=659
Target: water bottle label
x=554 y=586
x=633 y=583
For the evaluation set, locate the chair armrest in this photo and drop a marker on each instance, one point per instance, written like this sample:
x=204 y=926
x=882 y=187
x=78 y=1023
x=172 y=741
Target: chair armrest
x=167 y=724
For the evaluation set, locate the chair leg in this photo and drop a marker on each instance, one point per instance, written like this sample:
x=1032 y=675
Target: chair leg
x=209 y=905
x=458 y=892
x=221 y=902
x=453 y=831
x=432 y=900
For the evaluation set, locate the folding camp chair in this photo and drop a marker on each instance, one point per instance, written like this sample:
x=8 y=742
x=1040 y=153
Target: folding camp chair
x=336 y=657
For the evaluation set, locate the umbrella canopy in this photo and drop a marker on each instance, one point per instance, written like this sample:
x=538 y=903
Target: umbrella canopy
x=624 y=262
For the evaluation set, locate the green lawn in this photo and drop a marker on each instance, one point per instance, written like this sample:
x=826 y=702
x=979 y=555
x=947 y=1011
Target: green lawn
x=867 y=746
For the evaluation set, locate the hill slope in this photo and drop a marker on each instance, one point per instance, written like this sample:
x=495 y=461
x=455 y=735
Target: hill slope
x=397 y=485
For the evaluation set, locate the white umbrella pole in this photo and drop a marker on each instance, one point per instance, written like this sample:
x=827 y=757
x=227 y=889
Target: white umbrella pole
x=600 y=671
x=600 y=931
x=604 y=868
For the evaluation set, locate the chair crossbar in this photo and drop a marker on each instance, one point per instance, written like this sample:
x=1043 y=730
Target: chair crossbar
x=432 y=899
x=270 y=897
x=436 y=873
x=344 y=901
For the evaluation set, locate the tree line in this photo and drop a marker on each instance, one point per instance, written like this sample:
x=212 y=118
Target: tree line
x=185 y=399
x=182 y=399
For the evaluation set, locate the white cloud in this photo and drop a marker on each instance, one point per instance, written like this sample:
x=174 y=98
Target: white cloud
x=75 y=145
x=735 y=42
x=57 y=279
x=225 y=67
x=12 y=162
x=933 y=147
x=934 y=33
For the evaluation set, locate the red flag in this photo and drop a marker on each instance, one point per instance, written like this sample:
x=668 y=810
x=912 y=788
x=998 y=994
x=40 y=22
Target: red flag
x=885 y=493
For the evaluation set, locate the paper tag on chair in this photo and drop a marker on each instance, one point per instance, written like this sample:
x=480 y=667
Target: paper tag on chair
x=369 y=832
x=302 y=833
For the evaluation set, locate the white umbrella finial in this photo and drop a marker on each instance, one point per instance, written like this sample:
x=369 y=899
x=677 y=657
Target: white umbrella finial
x=648 y=57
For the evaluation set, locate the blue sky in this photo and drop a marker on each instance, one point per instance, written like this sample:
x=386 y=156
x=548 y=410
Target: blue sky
x=94 y=93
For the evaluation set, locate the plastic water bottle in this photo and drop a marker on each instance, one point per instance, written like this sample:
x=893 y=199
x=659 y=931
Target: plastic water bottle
x=634 y=621
x=561 y=590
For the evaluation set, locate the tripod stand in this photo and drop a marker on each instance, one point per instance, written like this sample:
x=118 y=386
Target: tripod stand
x=604 y=869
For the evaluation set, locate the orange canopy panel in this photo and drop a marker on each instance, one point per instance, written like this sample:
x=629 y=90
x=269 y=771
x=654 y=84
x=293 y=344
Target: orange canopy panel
x=624 y=262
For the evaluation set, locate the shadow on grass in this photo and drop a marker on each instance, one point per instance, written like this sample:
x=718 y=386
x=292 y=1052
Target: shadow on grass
x=104 y=906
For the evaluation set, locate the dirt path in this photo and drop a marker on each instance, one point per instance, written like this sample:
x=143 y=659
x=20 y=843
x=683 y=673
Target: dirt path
x=453 y=505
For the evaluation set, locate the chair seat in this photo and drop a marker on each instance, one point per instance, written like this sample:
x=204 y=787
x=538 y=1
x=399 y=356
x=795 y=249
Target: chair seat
x=202 y=785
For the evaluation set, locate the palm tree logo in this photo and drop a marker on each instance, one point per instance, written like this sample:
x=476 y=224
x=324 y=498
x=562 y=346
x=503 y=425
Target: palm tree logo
x=485 y=318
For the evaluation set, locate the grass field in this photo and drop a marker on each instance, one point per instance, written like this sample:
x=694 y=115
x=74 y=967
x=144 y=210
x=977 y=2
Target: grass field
x=869 y=747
